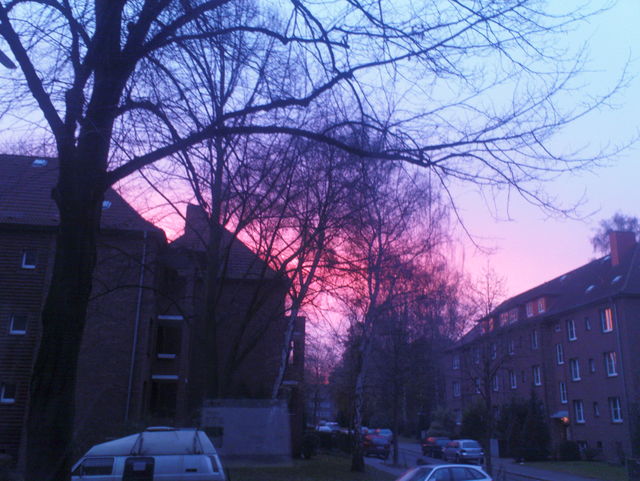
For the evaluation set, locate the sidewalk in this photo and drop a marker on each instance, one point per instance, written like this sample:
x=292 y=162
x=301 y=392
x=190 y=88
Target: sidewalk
x=509 y=466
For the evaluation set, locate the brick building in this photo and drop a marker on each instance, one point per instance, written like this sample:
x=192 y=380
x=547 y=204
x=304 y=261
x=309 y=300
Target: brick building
x=143 y=333
x=573 y=341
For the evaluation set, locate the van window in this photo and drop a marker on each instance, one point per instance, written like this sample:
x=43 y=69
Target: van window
x=214 y=464
x=138 y=469
x=94 y=467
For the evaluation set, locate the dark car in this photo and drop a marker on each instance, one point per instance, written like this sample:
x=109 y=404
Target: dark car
x=433 y=446
x=376 y=445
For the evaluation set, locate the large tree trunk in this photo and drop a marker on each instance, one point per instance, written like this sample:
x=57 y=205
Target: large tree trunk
x=52 y=400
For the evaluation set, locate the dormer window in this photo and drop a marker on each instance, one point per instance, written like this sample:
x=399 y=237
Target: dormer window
x=542 y=305
x=106 y=204
x=589 y=289
x=39 y=163
x=504 y=318
x=513 y=315
x=529 y=308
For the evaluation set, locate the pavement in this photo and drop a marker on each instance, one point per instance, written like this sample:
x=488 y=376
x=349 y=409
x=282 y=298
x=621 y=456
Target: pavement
x=504 y=469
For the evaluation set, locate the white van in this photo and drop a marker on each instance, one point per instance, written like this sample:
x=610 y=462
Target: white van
x=157 y=454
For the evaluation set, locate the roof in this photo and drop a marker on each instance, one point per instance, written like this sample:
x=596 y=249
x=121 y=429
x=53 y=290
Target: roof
x=25 y=197
x=156 y=442
x=242 y=262
x=594 y=282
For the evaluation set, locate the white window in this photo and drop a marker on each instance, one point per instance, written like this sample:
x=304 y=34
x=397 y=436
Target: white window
x=534 y=339
x=615 y=409
x=529 y=308
x=571 y=330
x=7 y=393
x=578 y=410
x=512 y=347
x=496 y=383
x=537 y=377
x=606 y=319
x=587 y=324
x=559 y=354
x=456 y=362
x=18 y=325
x=610 y=363
x=563 y=393
x=575 y=369
x=494 y=350
x=29 y=258
x=477 y=381
x=504 y=317
x=513 y=379
x=513 y=315
x=596 y=409
x=456 y=389
x=592 y=366
x=541 y=305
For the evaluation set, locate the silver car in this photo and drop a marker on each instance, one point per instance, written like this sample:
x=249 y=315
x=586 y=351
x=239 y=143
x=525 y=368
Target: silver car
x=445 y=472
x=461 y=450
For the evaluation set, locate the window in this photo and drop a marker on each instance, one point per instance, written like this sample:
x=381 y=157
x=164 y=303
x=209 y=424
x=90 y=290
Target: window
x=456 y=362
x=571 y=330
x=575 y=369
x=592 y=366
x=578 y=410
x=537 y=378
x=513 y=379
x=513 y=315
x=7 y=393
x=563 y=393
x=162 y=402
x=477 y=381
x=587 y=324
x=615 y=409
x=476 y=355
x=606 y=319
x=541 y=305
x=610 y=363
x=596 y=410
x=456 y=389
x=168 y=337
x=18 y=324
x=557 y=328
x=559 y=354
x=494 y=350
x=504 y=317
x=534 y=339
x=29 y=259
x=95 y=467
x=495 y=383
x=512 y=347
x=529 y=309
x=523 y=377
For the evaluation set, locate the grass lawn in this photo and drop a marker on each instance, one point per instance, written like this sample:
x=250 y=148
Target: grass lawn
x=318 y=468
x=585 y=468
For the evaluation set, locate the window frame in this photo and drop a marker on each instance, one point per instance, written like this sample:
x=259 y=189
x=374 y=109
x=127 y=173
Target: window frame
x=456 y=389
x=529 y=309
x=537 y=375
x=535 y=342
x=26 y=253
x=578 y=411
x=571 y=330
x=18 y=332
x=564 y=398
x=606 y=320
x=610 y=363
x=559 y=354
x=4 y=398
x=455 y=362
x=615 y=409
x=513 y=380
x=574 y=365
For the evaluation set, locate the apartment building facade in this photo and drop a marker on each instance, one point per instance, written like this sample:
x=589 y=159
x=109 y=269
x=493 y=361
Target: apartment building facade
x=143 y=339
x=573 y=342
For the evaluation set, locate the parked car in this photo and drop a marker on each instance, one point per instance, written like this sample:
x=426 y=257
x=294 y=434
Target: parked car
x=445 y=472
x=376 y=445
x=432 y=446
x=387 y=433
x=159 y=453
x=460 y=450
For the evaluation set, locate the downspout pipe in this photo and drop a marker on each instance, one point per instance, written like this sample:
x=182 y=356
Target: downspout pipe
x=136 y=326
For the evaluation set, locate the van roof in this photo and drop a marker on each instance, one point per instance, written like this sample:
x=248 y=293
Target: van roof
x=156 y=442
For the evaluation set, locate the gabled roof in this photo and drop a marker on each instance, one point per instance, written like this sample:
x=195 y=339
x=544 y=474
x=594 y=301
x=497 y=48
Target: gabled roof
x=25 y=197
x=594 y=282
x=242 y=262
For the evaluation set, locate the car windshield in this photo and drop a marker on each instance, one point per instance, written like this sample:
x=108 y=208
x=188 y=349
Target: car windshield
x=470 y=444
x=416 y=474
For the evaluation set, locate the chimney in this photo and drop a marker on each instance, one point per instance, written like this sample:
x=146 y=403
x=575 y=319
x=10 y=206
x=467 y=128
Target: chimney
x=621 y=244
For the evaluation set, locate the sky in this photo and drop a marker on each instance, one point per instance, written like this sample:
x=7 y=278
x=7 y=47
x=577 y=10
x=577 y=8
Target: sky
x=529 y=246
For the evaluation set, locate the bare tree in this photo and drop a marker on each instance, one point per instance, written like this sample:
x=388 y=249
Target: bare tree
x=619 y=222
x=92 y=69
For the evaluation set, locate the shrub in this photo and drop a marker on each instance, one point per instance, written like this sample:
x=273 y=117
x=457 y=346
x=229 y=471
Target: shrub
x=310 y=443
x=568 y=451
x=590 y=454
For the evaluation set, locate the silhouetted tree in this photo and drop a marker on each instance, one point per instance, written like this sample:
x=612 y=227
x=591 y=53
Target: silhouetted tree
x=618 y=223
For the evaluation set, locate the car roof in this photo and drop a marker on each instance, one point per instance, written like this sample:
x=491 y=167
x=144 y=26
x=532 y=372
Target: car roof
x=156 y=441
